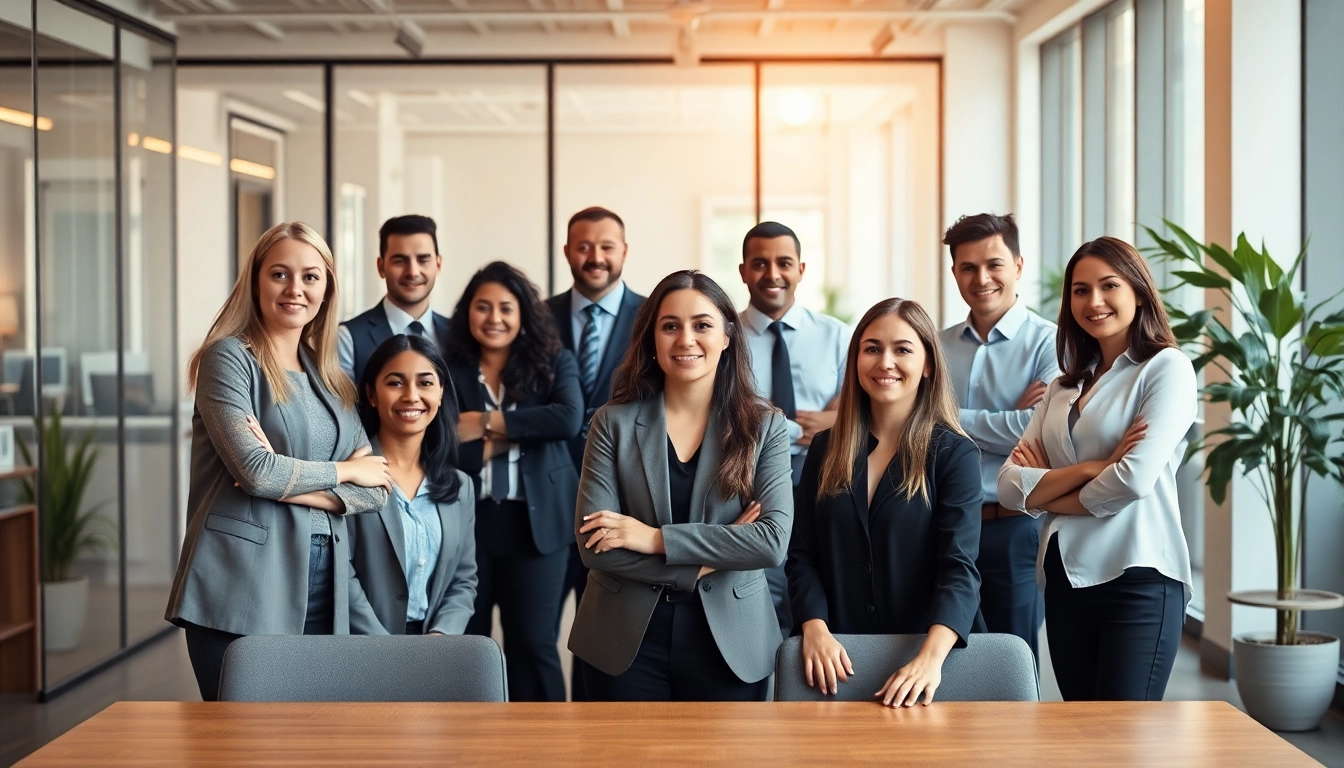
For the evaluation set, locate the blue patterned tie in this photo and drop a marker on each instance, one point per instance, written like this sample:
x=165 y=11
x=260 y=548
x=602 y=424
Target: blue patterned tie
x=589 y=352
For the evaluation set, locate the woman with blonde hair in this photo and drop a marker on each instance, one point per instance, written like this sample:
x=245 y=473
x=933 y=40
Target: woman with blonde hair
x=263 y=552
x=887 y=526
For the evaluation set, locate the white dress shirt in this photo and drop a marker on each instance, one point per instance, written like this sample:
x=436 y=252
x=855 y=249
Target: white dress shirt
x=397 y=320
x=1134 y=518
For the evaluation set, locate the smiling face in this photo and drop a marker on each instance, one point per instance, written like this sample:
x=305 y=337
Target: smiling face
x=987 y=273
x=891 y=361
x=291 y=285
x=772 y=269
x=690 y=336
x=406 y=394
x=495 y=316
x=596 y=252
x=1103 y=303
x=409 y=268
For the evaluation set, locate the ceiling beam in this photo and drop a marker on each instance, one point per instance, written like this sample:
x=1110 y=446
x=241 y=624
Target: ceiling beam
x=463 y=7
x=619 y=27
x=547 y=25
x=655 y=17
x=768 y=24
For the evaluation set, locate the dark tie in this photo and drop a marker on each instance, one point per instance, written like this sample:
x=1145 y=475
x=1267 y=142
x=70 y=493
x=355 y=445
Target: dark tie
x=781 y=377
x=415 y=329
x=589 y=353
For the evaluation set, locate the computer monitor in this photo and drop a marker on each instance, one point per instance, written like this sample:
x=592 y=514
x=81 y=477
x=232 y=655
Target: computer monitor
x=55 y=370
x=102 y=364
x=138 y=389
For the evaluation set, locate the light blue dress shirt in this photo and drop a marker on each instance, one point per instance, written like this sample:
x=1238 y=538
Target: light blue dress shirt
x=397 y=320
x=989 y=375
x=422 y=537
x=606 y=319
x=817 y=345
x=1135 y=517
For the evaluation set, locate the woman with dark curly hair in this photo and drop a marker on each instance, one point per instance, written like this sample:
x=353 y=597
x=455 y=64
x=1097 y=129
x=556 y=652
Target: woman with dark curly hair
x=520 y=398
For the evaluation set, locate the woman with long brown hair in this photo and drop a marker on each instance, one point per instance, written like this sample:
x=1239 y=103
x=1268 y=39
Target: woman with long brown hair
x=1099 y=459
x=888 y=518
x=263 y=552
x=685 y=497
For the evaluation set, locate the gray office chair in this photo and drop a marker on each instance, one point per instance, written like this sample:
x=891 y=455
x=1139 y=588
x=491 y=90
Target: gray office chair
x=991 y=667
x=363 y=668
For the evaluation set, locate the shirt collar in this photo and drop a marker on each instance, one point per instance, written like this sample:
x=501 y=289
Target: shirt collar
x=611 y=303
x=760 y=322
x=423 y=490
x=398 y=318
x=1008 y=325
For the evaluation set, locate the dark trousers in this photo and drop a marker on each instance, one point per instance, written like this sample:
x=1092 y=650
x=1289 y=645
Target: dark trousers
x=1009 y=597
x=1115 y=641
x=677 y=661
x=526 y=585
x=206 y=646
x=576 y=578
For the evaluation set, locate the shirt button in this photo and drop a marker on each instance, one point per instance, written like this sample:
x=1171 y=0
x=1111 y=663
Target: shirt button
x=707 y=586
x=422 y=562
x=872 y=609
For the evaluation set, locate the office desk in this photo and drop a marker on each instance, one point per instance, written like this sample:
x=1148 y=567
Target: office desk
x=552 y=735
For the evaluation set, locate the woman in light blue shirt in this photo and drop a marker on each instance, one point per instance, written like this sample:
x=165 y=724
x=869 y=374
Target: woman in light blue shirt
x=1099 y=458
x=416 y=559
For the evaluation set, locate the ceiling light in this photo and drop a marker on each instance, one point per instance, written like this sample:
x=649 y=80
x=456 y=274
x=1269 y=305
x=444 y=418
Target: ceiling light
x=311 y=102
x=361 y=97
x=411 y=38
x=249 y=168
x=133 y=140
x=199 y=155
x=796 y=108
x=157 y=145
x=24 y=119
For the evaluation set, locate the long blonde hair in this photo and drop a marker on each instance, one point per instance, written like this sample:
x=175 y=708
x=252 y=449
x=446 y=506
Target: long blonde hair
x=241 y=317
x=935 y=406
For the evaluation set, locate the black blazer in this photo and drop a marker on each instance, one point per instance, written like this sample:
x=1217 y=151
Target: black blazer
x=540 y=425
x=901 y=568
x=612 y=356
x=370 y=329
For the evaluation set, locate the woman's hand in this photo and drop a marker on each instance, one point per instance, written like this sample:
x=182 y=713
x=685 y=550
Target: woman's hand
x=612 y=530
x=471 y=426
x=254 y=427
x=1133 y=436
x=1030 y=453
x=365 y=470
x=921 y=676
x=824 y=659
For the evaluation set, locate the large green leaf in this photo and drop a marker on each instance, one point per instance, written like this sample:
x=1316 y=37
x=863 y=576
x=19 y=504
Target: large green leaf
x=1203 y=279
x=1282 y=308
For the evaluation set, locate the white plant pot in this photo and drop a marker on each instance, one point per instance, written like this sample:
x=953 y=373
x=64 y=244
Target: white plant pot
x=65 y=604
x=1286 y=687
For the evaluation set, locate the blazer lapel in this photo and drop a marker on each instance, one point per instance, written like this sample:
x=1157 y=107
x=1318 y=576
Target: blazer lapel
x=449 y=537
x=563 y=322
x=390 y=514
x=651 y=437
x=706 y=471
x=858 y=491
x=441 y=328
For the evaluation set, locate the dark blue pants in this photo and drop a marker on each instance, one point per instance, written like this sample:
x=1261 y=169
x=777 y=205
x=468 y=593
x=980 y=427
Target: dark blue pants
x=677 y=661
x=576 y=578
x=526 y=585
x=1115 y=641
x=1009 y=597
x=206 y=646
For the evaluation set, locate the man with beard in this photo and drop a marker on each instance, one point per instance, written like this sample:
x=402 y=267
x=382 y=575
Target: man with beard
x=594 y=319
x=797 y=355
x=408 y=262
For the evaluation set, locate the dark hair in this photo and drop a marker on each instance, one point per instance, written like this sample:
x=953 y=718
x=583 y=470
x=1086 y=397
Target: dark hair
x=739 y=409
x=438 y=451
x=412 y=224
x=769 y=230
x=595 y=214
x=529 y=368
x=1149 y=333
x=973 y=229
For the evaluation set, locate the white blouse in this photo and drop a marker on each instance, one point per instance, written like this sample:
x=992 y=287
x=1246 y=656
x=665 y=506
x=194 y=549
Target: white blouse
x=1135 y=520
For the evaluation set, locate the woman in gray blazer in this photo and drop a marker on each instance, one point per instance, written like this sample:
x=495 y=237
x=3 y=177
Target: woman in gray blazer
x=264 y=551
x=416 y=558
x=685 y=497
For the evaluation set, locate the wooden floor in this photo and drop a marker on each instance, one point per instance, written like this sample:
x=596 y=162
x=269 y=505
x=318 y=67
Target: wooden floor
x=162 y=672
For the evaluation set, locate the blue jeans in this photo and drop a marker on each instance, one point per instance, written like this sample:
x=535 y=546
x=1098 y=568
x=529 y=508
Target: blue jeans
x=320 y=617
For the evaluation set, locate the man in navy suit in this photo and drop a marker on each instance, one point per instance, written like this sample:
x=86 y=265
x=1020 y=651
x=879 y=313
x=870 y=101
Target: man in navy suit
x=409 y=263
x=594 y=319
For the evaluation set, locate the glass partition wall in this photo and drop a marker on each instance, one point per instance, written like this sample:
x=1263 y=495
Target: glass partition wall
x=87 y=313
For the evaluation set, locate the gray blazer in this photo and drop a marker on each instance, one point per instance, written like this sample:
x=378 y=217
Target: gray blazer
x=378 y=555
x=625 y=471
x=244 y=563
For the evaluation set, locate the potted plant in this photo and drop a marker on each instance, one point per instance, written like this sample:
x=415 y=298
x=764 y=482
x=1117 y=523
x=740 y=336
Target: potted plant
x=1283 y=375
x=67 y=532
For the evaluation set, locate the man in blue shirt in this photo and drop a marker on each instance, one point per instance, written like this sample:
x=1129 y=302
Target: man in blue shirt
x=1000 y=361
x=594 y=319
x=797 y=355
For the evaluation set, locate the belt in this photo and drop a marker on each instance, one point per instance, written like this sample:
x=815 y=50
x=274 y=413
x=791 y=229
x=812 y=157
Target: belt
x=997 y=511
x=680 y=595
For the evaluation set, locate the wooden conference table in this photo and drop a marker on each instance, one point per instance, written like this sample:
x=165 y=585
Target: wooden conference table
x=1001 y=734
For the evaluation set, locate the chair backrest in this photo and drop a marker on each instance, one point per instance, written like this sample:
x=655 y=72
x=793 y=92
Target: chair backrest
x=991 y=667
x=363 y=668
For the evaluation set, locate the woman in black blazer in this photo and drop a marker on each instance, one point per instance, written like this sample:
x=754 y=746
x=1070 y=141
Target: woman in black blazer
x=521 y=401
x=887 y=525
x=416 y=559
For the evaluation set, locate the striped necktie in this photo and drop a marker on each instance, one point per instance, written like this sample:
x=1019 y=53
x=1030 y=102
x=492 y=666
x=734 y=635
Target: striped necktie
x=781 y=374
x=589 y=352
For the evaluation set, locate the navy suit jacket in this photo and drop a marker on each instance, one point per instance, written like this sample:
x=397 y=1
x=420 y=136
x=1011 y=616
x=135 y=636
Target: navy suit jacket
x=370 y=329
x=612 y=356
